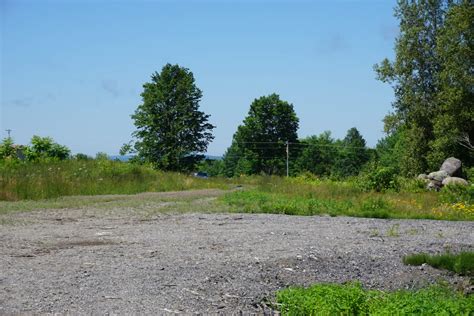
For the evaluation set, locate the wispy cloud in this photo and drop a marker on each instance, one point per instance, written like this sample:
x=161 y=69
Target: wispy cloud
x=22 y=102
x=110 y=86
x=332 y=44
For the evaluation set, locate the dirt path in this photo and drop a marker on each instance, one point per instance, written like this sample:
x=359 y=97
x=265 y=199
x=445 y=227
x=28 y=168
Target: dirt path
x=82 y=261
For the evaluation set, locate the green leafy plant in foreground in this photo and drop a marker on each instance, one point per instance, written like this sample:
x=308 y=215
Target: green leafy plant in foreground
x=352 y=299
x=461 y=263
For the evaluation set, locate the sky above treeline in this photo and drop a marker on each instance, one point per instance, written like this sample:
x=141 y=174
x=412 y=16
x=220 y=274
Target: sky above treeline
x=74 y=70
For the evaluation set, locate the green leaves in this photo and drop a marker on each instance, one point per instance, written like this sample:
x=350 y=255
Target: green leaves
x=259 y=145
x=171 y=131
x=432 y=80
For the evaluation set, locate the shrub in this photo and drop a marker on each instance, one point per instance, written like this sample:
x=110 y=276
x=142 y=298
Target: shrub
x=381 y=179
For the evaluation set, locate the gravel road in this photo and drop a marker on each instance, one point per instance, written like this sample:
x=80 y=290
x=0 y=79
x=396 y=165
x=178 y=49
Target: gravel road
x=87 y=261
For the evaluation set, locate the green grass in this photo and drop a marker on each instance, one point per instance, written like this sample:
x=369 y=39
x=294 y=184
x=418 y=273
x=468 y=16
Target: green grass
x=294 y=196
x=46 y=180
x=352 y=299
x=262 y=194
x=461 y=263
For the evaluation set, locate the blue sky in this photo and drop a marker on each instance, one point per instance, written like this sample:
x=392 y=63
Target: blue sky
x=74 y=70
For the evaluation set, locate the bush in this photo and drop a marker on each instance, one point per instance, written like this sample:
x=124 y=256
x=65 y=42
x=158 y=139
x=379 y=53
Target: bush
x=381 y=179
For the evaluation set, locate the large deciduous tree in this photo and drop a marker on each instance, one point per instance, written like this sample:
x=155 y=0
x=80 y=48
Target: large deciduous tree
x=171 y=130
x=432 y=77
x=454 y=123
x=259 y=143
x=414 y=76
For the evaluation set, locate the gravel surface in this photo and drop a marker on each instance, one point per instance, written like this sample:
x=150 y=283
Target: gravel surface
x=90 y=261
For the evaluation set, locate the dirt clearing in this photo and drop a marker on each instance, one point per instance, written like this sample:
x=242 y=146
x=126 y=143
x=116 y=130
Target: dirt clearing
x=114 y=256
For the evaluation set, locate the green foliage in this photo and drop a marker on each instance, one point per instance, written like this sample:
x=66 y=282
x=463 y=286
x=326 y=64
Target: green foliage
x=46 y=179
x=81 y=156
x=213 y=168
x=352 y=156
x=457 y=194
x=352 y=299
x=101 y=156
x=432 y=80
x=307 y=195
x=318 y=155
x=455 y=116
x=380 y=179
x=171 y=130
x=7 y=149
x=45 y=148
x=461 y=263
x=259 y=143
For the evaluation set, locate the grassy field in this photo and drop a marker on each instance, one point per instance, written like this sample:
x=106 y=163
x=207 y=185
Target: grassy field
x=37 y=181
x=352 y=299
x=261 y=194
x=295 y=196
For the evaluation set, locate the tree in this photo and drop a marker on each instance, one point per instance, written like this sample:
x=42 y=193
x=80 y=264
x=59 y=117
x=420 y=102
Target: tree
x=259 y=145
x=414 y=76
x=318 y=154
x=353 y=154
x=454 y=122
x=171 y=131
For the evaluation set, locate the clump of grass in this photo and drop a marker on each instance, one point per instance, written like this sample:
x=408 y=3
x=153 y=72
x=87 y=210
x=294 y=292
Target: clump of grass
x=461 y=263
x=352 y=299
x=52 y=179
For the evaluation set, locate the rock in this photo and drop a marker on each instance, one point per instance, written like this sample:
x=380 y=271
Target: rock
x=438 y=176
x=434 y=185
x=452 y=166
x=454 y=181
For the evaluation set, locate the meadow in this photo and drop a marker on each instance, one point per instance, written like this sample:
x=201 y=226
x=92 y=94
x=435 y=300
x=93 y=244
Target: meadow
x=301 y=195
x=53 y=179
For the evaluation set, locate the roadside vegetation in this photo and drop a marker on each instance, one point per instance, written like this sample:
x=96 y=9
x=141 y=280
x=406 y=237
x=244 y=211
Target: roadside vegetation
x=461 y=263
x=305 y=196
x=352 y=299
x=52 y=179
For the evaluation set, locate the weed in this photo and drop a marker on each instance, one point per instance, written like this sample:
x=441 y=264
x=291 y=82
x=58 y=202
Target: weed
x=393 y=231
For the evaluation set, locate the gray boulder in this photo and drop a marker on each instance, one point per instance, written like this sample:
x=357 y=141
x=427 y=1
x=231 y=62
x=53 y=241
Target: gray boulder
x=422 y=177
x=454 y=181
x=433 y=185
x=438 y=176
x=452 y=166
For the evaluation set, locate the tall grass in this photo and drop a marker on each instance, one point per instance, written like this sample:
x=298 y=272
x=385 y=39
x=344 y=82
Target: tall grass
x=42 y=180
x=295 y=196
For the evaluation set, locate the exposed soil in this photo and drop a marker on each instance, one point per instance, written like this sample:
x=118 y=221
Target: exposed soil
x=117 y=262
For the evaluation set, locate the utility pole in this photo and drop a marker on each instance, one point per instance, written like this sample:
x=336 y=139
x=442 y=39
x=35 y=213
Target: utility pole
x=8 y=131
x=287 y=158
